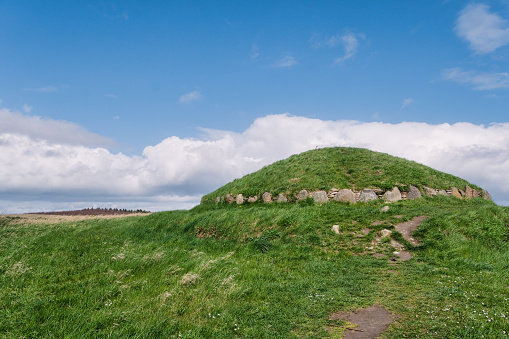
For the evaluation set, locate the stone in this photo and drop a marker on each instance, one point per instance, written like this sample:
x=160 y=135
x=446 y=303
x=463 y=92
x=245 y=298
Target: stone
x=413 y=193
x=367 y=194
x=442 y=192
x=281 y=198
x=320 y=197
x=485 y=195
x=430 y=192
x=345 y=195
x=252 y=199
x=385 y=208
x=302 y=195
x=229 y=199
x=267 y=197
x=218 y=200
x=462 y=192
x=386 y=233
x=392 y=196
x=469 y=194
x=475 y=194
x=239 y=199
x=456 y=193
x=335 y=229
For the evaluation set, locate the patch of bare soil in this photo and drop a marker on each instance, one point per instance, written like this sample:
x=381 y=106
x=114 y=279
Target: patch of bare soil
x=408 y=227
x=370 y=321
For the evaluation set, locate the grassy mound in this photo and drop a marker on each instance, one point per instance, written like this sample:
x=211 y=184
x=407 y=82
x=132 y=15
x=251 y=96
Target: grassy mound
x=338 y=167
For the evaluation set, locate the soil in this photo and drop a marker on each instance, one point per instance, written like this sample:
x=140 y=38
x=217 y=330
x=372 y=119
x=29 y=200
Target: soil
x=370 y=321
x=408 y=227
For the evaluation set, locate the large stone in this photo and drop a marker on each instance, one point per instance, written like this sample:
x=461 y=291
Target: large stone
x=367 y=194
x=229 y=199
x=392 y=196
x=252 y=199
x=413 y=193
x=430 y=192
x=345 y=195
x=303 y=195
x=218 y=200
x=469 y=194
x=239 y=199
x=442 y=192
x=475 y=194
x=456 y=193
x=320 y=197
x=486 y=195
x=281 y=198
x=267 y=197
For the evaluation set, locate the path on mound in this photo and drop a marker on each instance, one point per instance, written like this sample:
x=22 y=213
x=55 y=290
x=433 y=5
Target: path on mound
x=374 y=320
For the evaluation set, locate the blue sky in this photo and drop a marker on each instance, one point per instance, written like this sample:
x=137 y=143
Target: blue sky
x=156 y=87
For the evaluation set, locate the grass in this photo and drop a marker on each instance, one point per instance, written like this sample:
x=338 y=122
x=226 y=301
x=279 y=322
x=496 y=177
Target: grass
x=338 y=167
x=261 y=271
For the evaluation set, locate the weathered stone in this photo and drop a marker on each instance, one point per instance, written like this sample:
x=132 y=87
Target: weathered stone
x=345 y=195
x=475 y=194
x=385 y=208
x=218 y=200
x=252 y=199
x=267 y=197
x=229 y=199
x=486 y=195
x=413 y=193
x=456 y=193
x=281 y=198
x=386 y=233
x=367 y=194
x=333 y=190
x=303 y=195
x=335 y=229
x=442 y=192
x=320 y=197
x=430 y=192
x=239 y=199
x=392 y=196
x=469 y=194
x=462 y=192
x=378 y=191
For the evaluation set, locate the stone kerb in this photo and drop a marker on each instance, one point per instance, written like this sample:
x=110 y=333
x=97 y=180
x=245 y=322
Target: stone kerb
x=367 y=194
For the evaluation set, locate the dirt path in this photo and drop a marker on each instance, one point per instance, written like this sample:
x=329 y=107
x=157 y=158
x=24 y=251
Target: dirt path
x=371 y=322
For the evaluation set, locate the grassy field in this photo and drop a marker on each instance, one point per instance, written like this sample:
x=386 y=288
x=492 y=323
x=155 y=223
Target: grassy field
x=265 y=270
x=261 y=271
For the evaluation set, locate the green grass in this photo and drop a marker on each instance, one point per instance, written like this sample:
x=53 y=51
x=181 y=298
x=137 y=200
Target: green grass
x=338 y=167
x=260 y=271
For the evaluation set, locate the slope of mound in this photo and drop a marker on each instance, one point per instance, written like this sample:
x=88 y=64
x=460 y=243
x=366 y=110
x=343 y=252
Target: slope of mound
x=338 y=167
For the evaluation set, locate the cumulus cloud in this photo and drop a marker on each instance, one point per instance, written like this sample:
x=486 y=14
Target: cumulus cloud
x=479 y=80
x=287 y=61
x=49 y=130
x=483 y=30
x=179 y=170
x=191 y=96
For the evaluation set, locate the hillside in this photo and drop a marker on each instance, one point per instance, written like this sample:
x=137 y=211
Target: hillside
x=338 y=167
x=267 y=270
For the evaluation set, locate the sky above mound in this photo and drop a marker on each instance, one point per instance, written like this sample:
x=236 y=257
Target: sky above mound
x=129 y=105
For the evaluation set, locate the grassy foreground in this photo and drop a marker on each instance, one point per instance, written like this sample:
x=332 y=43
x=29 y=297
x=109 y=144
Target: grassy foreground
x=257 y=271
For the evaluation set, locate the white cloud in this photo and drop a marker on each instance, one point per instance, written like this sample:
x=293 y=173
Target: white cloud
x=185 y=168
x=484 y=31
x=349 y=41
x=27 y=108
x=406 y=102
x=287 y=61
x=479 y=80
x=191 y=96
x=49 y=130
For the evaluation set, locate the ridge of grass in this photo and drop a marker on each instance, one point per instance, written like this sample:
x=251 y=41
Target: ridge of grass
x=339 y=167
